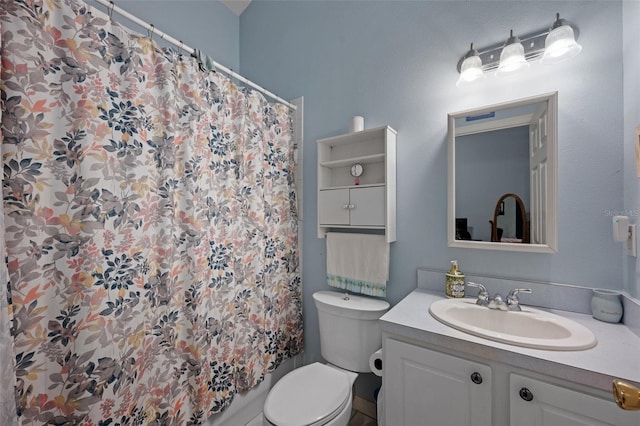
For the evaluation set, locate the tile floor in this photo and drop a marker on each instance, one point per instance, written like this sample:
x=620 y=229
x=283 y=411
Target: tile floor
x=361 y=419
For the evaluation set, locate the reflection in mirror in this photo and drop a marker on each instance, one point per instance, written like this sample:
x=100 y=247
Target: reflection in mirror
x=504 y=152
x=510 y=223
x=488 y=165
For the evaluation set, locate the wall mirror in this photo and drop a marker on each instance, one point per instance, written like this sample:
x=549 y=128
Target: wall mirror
x=502 y=173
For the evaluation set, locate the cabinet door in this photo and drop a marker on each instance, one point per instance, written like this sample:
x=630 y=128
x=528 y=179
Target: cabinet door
x=367 y=206
x=424 y=387
x=333 y=207
x=552 y=405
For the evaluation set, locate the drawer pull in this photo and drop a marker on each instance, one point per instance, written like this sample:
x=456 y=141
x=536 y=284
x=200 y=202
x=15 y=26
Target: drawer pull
x=526 y=394
x=476 y=377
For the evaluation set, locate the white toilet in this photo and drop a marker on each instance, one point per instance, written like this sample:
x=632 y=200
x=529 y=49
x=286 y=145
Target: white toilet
x=320 y=394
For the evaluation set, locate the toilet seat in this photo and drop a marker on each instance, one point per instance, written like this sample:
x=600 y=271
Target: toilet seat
x=308 y=396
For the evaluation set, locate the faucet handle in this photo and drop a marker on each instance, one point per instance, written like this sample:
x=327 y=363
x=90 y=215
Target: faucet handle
x=483 y=294
x=497 y=303
x=512 y=298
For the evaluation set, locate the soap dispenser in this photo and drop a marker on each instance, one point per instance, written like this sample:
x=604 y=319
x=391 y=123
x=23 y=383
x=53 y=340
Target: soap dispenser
x=454 y=281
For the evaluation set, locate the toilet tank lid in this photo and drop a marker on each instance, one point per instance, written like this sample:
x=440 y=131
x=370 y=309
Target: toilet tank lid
x=351 y=303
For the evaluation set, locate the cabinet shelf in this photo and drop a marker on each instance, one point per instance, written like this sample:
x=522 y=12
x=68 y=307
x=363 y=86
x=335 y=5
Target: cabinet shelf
x=356 y=137
x=365 y=159
x=329 y=188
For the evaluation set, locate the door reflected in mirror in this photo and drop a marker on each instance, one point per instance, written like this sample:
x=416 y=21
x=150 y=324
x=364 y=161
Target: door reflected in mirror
x=502 y=176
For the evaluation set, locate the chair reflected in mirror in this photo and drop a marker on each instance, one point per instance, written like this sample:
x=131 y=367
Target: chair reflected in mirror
x=462 y=231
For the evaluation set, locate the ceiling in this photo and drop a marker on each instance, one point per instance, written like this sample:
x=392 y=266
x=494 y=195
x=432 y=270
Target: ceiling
x=236 y=6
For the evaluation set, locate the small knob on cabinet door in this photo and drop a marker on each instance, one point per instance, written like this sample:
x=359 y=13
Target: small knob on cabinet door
x=345 y=206
x=526 y=394
x=476 y=377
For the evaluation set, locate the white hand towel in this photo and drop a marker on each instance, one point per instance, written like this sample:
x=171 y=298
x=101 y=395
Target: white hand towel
x=358 y=263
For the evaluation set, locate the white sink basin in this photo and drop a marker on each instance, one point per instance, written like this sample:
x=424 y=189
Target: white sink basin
x=530 y=328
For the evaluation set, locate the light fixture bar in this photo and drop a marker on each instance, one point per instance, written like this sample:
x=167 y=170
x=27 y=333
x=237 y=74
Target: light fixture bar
x=533 y=44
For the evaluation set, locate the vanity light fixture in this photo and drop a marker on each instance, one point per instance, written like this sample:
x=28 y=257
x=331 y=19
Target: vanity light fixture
x=561 y=43
x=471 y=68
x=512 y=56
x=551 y=45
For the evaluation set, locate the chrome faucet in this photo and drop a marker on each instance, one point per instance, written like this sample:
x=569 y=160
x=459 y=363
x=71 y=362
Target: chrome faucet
x=511 y=304
x=498 y=303
x=483 y=294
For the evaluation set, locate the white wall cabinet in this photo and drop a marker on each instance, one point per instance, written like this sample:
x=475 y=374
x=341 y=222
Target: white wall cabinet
x=425 y=387
x=536 y=403
x=352 y=207
x=369 y=202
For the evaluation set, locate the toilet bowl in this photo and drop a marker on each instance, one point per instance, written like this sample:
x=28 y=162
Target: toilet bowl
x=313 y=395
x=321 y=394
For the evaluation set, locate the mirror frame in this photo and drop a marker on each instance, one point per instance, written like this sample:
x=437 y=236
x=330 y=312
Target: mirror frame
x=551 y=214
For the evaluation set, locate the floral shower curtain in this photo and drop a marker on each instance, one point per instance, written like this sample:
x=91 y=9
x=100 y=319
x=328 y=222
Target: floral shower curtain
x=149 y=225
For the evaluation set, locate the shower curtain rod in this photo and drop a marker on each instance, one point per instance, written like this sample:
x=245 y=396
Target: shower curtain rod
x=178 y=43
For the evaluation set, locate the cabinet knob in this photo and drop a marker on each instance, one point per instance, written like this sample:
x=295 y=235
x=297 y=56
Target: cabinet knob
x=626 y=395
x=476 y=377
x=345 y=206
x=526 y=394
x=352 y=206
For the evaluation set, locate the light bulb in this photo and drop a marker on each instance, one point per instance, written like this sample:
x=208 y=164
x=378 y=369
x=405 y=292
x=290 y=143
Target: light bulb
x=512 y=57
x=470 y=71
x=560 y=44
x=471 y=68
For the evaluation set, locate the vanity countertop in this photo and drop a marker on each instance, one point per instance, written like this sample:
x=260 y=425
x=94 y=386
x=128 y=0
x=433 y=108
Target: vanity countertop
x=616 y=356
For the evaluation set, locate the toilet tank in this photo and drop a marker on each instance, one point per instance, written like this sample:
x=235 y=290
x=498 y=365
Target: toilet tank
x=349 y=328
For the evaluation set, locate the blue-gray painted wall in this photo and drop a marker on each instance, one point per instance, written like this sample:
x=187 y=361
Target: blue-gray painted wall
x=202 y=24
x=394 y=62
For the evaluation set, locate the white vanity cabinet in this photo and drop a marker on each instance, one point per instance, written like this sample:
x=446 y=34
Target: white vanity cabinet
x=427 y=366
x=537 y=403
x=367 y=201
x=425 y=387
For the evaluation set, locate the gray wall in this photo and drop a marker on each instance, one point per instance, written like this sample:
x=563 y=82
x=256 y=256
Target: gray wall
x=394 y=62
